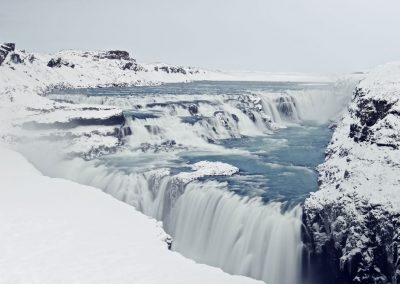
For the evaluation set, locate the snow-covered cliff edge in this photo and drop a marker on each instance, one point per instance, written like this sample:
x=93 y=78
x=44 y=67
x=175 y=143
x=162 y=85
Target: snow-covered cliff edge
x=353 y=221
x=57 y=231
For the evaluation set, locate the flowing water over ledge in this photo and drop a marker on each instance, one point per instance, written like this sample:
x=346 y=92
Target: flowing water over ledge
x=248 y=223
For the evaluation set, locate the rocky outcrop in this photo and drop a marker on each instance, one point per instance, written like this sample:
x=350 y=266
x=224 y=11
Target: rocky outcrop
x=16 y=58
x=114 y=54
x=131 y=65
x=175 y=69
x=353 y=222
x=5 y=49
x=193 y=109
x=127 y=63
x=8 y=46
x=59 y=62
x=373 y=115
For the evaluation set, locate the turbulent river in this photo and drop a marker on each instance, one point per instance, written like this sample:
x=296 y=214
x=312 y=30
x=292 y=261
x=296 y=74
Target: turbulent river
x=240 y=210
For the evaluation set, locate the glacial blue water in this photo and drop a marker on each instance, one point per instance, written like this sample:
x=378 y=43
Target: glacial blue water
x=276 y=166
x=249 y=223
x=280 y=166
x=199 y=87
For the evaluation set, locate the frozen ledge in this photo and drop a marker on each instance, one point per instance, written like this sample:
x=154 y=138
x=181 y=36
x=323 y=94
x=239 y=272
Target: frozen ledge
x=207 y=168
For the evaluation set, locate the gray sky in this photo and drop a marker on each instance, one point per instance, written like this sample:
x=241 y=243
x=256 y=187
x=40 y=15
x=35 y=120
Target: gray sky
x=326 y=36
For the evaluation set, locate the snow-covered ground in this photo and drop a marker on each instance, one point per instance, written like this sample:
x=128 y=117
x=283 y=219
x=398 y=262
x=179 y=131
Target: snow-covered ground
x=356 y=211
x=57 y=231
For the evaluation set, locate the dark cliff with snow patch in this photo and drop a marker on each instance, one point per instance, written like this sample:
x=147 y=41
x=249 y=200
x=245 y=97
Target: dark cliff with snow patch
x=353 y=222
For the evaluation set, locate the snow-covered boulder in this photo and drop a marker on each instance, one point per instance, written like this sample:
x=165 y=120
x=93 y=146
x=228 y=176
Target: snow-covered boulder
x=353 y=221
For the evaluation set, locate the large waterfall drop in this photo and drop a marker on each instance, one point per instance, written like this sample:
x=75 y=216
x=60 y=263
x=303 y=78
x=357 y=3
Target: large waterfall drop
x=246 y=222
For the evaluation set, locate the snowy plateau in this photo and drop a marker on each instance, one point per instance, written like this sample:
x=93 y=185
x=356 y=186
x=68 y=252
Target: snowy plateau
x=57 y=231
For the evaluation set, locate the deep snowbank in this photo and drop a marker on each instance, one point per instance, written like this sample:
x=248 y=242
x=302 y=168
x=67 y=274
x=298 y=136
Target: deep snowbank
x=353 y=220
x=57 y=231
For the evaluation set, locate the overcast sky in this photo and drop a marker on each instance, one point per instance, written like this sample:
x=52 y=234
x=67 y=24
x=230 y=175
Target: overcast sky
x=326 y=36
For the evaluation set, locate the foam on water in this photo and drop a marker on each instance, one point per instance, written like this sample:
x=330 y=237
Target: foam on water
x=241 y=223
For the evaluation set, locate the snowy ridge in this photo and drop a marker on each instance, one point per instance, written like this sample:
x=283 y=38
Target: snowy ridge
x=355 y=215
x=72 y=68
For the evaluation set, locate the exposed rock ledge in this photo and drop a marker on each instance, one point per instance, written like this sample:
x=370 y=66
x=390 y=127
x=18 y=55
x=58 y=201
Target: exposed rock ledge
x=353 y=221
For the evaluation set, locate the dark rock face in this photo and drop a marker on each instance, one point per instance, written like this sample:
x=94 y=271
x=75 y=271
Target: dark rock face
x=127 y=63
x=369 y=113
x=171 y=69
x=131 y=65
x=253 y=108
x=115 y=54
x=8 y=49
x=355 y=236
x=16 y=59
x=3 y=55
x=5 y=49
x=59 y=62
x=193 y=109
x=8 y=46
x=326 y=238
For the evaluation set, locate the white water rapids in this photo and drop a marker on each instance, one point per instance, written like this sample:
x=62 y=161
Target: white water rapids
x=208 y=222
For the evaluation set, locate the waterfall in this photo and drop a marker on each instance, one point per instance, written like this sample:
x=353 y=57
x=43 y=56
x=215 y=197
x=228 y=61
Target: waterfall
x=201 y=121
x=207 y=221
x=242 y=236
